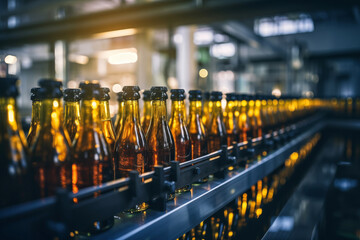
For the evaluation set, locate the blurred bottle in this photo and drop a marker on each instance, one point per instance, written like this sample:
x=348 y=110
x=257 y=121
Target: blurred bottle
x=107 y=126
x=207 y=108
x=15 y=171
x=119 y=115
x=146 y=116
x=130 y=148
x=159 y=137
x=195 y=126
x=257 y=115
x=243 y=120
x=50 y=153
x=35 y=116
x=92 y=159
x=230 y=119
x=216 y=128
x=72 y=111
x=252 y=118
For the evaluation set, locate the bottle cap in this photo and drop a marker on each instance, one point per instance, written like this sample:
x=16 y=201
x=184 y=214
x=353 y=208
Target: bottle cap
x=177 y=94
x=104 y=94
x=8 y=86
x=90 y=90
x=146 y=95
x=158 y=93
x=120 y=96
x=206 y=96
x=243 y=97
x=72 y=95
x=195 y=95
x=131 y=92
x=231 y=97
x=50 y=88
x=216 y=96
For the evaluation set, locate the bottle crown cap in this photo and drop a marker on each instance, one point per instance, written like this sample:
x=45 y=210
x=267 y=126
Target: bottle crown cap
x=206 y=96
x=120 y=96
x=195 y=95
x=104 y=94
x=146 y=95
x=158 y=93
x=72 y=95
x=231 y=97
x=50 y=88
x=216 y=96
x=35 y=96
x=131 y=92
x=90 y=90
x=177 y=94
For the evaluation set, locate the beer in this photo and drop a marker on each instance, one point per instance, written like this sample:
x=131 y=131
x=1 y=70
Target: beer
x=159 y=137
x=131 y=149
x=15 y=172
x=72 y=111
x=257 y=115
x=92 y=156
x=207 y=108
x=195 y=125
x=50 y=153
x=252 y=118
x=107 y=126
x=230 y=119
x=178 y=127
x=119 y=116
x=35 y=116
x=146 y=116
x=243 y=120
x=216 y=128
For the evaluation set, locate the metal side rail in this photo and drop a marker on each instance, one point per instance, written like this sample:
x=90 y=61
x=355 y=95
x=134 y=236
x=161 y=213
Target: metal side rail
x=188 y=209
x=302 y=212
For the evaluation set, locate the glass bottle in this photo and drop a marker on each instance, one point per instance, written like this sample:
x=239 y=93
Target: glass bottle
x=216 y=127
x=107 y=126
x=50 y=153
x=257 y=115
x=243 y=120
x=207 y=108
x=159 y=137
x=15 y=171
x=92 y=158
x=252 y=117
x=146 y=116
x=35 y=116
x=195 y=126
x=72 y=111
x=230 y=119
x=131 y=149
x=119 y=115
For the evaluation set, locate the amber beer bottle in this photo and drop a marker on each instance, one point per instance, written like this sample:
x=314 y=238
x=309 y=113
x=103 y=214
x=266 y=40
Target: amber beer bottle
x=146 y=116
x=207 y=108
x=257 y=115
x=72 y=111
x=216 y=127
x=107 y=126
x=252 y=118
x=159 y=137
x=130 y=148
x=230 y=119
x=15 y=172
x=92 y=156
x=119 y=115
x=35 y=116
x=50 y=154
x=243 y=120
x=195 y=126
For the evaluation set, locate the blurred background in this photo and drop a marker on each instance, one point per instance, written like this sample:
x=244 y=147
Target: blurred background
x=307 y=48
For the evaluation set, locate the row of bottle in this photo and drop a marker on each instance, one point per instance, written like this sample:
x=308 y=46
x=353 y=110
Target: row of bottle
x=80 y=148
x=234 y=221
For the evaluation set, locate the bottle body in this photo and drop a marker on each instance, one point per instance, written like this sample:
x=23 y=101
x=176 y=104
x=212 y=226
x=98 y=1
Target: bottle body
x=196 y=130
x=119 y=116
x=72 y=118
x=216 y=129
x=230 y=119
x=146 y=116
x=107 y=126
x=35 y=122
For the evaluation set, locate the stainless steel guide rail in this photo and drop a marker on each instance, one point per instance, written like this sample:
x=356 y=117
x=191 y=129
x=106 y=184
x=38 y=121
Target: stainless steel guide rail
x=58 y=215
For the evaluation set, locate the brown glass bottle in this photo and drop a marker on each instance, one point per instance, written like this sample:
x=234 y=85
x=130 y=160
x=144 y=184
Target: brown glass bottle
x=15 y=171
x=178 y=127
x=119 y=115
x=195 y=126
x=72 y=111
x=216 y=128
x=146 y=114
x=93 y=164
x=35 y=116
x=159 y=137
x=243 y=120
x=257 y=115
x=107 y=126
x=50 y=154
x=252 y=118
x=207 y=108
x=230 y=119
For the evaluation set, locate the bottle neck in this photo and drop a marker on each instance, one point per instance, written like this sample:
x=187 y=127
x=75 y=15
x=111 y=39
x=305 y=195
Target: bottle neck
x=71 y=110
x=216 y=109
x=8 y=114
x=90 y=113
x=178 y=112
x=120 y=107
x=147 y=108
x=105 y=110
x=131 y=111
x=51 y=113
x=35 y=112
x=230 y=108
x=195 y=108
x=158 y=110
